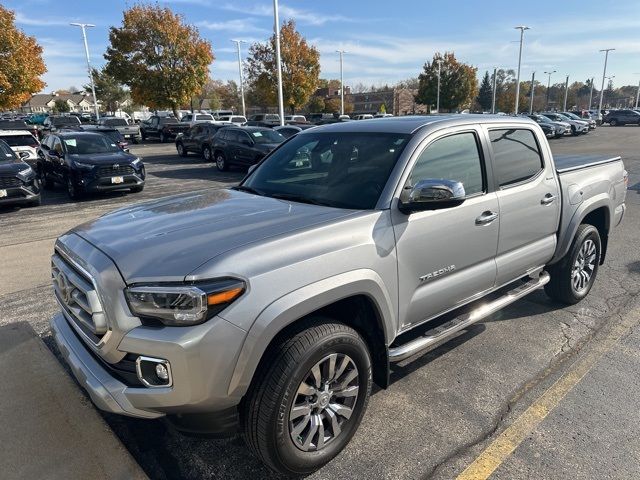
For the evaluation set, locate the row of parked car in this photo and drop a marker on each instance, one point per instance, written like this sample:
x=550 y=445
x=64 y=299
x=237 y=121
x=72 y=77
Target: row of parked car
x=558 y=124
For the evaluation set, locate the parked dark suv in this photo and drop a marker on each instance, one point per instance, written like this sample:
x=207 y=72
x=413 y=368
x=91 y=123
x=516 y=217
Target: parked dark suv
x=88 y=162
x=19 y=184
x=162 y=128
x=198 y=139
x=621 y=117
x=243 y=146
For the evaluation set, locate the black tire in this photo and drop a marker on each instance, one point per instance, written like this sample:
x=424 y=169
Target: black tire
x=163 y=139
x=181 y=150
x=574 y=131
x=36 y=203
x=221 y=162
x=137 y=189
x=613 y=122
x=45 y=181
x=266 y=412
x=143 y=136
x=207 y=154
x=72 y=190
x=562 y=286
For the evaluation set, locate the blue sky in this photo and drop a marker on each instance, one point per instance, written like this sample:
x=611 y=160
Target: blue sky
x=386 y=41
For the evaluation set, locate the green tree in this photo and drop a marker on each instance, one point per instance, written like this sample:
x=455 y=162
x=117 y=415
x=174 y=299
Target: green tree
x=458 y=84
x=21 y=64
x=332 y=105
x=382 y=109
x=163 y=60
x=60 y=106
x=316 y=104
x=300 y=69
x=109 y=91
x=485 y=94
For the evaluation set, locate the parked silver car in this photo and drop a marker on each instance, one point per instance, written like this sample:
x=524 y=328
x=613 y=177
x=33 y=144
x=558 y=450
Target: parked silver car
x=577 y=126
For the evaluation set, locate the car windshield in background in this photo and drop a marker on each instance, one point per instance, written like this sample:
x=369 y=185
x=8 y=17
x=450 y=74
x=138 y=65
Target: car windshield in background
x=572 y=116
x=90 y=144
x=116 y=122
x=65 y=121
x=203 y=117
x=267 y=136
x=343 y=170
x=25 y=140
x=166 y=120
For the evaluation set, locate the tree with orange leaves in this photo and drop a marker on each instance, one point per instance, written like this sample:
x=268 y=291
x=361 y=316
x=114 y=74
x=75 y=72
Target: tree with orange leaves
x=21 y=63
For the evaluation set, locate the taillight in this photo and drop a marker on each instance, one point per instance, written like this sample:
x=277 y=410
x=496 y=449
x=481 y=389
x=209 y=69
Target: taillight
x=625 y=176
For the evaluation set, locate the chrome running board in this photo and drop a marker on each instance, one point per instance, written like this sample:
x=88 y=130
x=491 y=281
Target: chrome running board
x=440 y=334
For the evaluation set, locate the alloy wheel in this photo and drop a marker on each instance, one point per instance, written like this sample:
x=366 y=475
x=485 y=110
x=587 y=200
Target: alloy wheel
x=324 y=402
x=220 y=162
x=584 y=266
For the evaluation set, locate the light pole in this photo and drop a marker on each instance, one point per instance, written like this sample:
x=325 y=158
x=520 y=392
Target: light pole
x=549 y=85
x=566 y=93
x=495 y=84
x=609 y=79
x=533 y=88
x=238 y=42
x=276 y=28
x=522 y=28
x=84 y=26
x=590 y=94
x=341 y=52
x=638 y=93
x=604 y=73
x=439 y=61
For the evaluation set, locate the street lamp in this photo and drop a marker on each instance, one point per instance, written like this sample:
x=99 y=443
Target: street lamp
x=590 y=94
x=341 y=52
x=84 y=26
x=533 y=88
x=439 y=62
x=238 y=42
x=549 y=85
x=495 y=84
x=522 y=28
x=566 y=93
x=604 y=73
x=276 y=29
x=638 y=93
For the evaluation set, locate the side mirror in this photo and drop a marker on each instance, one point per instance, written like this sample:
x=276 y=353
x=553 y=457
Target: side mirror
x=431 y=194
x=54 y=153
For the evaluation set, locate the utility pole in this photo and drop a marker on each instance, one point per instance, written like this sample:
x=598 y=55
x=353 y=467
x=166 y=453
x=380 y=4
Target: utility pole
x=84 y=26
x=341 y=52
x=604 y=73
x=638 y=93
x=533 y=88
x=276 y=28
x=438 y=95
x=549 y=85
x=238 y=42
x=590 y=94
x=566 y=93
x=522 y=28
x=495 y=84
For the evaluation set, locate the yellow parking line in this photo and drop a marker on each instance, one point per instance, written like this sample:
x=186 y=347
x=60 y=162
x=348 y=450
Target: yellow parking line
x=500 y=448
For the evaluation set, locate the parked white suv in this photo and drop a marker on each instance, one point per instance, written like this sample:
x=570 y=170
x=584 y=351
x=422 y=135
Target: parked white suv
x=23 y=143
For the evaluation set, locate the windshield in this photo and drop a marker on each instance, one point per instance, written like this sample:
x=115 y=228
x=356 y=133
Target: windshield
x=116 y=122
x=266 y=136
x=88 y=144
x=65 y=121
x=25 y=140
x=166 y=120
x=238 y=119
x=571 y=115
x=344 y=170
x=6 y=154
x=203 y=116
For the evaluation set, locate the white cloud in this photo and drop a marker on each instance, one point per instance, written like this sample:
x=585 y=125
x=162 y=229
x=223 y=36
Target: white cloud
x=286 y=12
x=37 y=21
x=238 y=26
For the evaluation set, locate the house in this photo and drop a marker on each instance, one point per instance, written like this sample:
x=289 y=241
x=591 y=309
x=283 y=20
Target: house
x=45 y=102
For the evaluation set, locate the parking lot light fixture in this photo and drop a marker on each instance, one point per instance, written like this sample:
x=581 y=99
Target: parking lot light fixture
x=591 y=94
x=83 y=27
x=566 y=93
x=439 y=61
x=549 y=85
x=533 y=88
x=637 y=93
x=604 y=74
x=495 y=84
x=238 y=42
x=276 y=29
x=522 y=28
x=341 y=52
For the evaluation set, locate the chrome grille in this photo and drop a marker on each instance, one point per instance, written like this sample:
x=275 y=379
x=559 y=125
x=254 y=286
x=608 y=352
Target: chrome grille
x=7 y=182
x=77 y=295
x=116 y=169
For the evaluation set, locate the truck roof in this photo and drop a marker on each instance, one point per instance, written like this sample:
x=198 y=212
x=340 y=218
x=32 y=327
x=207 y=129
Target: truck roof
x=410 y=123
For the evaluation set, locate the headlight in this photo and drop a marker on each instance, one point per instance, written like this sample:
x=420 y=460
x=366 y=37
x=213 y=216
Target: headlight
x=137 y=163
x=26 y=173
x=182 y=305
x=83 y=166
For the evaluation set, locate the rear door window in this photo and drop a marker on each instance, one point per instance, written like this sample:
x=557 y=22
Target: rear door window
x=516 y=156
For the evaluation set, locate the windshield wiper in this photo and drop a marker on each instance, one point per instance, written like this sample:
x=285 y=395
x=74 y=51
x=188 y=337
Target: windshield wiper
x=298 y=198
x=243 y=188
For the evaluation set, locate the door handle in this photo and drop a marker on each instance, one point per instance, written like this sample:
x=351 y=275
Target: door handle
x=548 y=199
x=486 y=218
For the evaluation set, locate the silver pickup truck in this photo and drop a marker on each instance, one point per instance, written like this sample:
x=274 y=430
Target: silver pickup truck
x=129 y=131
x=271 y=308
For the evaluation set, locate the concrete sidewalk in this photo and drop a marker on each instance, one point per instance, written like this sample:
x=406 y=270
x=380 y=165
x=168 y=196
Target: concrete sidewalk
x=47 y=428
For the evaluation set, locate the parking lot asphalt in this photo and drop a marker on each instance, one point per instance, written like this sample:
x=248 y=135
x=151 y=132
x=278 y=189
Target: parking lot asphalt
x=535 y=391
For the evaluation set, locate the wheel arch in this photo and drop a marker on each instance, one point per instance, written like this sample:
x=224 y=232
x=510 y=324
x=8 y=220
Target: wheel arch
x=362 y=304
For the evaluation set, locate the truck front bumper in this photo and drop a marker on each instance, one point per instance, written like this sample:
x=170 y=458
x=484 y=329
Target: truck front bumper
x=200 y=369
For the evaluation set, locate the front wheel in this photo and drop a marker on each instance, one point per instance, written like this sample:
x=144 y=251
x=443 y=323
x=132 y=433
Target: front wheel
x=309 y=399
x=72 y=190
x=221 y=162
x=137 y=189
x=613 y=122
x=206 y=153
x=163 y=139
x=181 y=150
x=574 y=275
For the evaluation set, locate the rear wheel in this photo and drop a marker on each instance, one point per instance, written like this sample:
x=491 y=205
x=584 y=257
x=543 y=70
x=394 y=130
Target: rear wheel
x=574 y=275
x=163 y=139
x=613 y=122
x=221 y=162
x=45 y=181
x=181 y=150
x=207 y=154
x=309 y=399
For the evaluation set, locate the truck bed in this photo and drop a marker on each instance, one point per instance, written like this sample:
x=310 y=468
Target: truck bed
x=568 y=163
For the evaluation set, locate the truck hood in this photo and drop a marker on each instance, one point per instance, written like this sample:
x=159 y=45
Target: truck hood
x=166 y=239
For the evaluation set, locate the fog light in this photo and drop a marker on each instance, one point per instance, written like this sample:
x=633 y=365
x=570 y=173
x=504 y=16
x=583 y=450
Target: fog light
x=154 y=372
